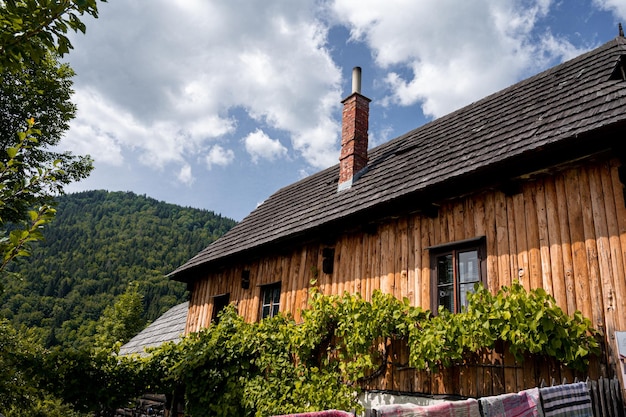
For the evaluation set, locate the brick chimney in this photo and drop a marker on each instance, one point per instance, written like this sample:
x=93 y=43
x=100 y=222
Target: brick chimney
x=354 y=125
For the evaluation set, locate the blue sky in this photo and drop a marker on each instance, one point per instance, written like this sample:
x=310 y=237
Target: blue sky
x=218 y=104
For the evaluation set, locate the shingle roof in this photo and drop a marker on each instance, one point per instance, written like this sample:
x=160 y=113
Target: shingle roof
x=167 y=328
x=557 y=106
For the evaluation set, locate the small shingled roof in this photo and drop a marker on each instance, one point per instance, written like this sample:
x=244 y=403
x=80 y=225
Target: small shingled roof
x=555 y=107
x=167 y=328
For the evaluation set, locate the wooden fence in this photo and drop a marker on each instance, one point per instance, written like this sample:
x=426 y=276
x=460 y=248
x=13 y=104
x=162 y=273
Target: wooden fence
x=606 y=397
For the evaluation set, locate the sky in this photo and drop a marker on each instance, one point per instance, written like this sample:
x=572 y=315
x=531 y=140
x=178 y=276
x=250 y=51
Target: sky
x=218 y=104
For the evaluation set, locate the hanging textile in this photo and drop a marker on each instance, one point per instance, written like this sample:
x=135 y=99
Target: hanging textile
x=568 y=400
x=327 y=413
x=523 y=404
x=464 y=408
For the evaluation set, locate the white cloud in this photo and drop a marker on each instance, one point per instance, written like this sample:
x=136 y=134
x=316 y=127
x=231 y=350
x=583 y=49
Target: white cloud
x=185 y=175
x=440 y=52
x=618 y=7
x=259 y=145
x=167 y=90
x=219 y=156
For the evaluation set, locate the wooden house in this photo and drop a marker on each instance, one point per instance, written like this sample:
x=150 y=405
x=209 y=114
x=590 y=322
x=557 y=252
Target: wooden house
x=526 y=184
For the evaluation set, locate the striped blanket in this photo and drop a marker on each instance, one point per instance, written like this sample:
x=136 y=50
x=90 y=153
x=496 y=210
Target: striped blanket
x=465 y=408
x=569 y=400
x=522 y=404
x=327 y=413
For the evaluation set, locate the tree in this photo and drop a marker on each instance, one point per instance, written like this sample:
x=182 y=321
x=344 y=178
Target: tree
x=30 y=29
x=13 y=194
x=121 y=321
x=32 y=33
x=20 y=356
x=39 y=91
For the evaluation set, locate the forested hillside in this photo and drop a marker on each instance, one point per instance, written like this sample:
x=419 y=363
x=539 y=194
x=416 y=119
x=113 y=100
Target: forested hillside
x=98 y=243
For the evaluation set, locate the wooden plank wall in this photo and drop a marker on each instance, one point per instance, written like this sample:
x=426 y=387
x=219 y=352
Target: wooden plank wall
x=564 y=232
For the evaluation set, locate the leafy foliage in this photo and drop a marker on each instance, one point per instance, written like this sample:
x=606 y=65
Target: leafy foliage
x=100 y=242
x=121 y=321
x=93 y=380
x=532 y=323
x=20 y=358
x=14 y=193
x=39 y=94
x=234 y=368
x=275 y=366
x=29 y=29
x=34 y=88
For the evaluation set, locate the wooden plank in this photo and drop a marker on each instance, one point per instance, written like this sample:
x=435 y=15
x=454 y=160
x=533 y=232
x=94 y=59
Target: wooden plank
x=387 y=255
x=263 y=269
x=556 y=252
x=349 y=277
x=383 y=256
x=577 y=234
x=376 y=259
x=566 y=246
x=527 y=375
x=345 y=257
x=469 y=228
x=233 y=284
x=243 y=301
x=326 y=280
x=312 y=260
x=493 y=278
x=511 y=220
x=502 y=241
x=521 y=240
x=426 y=232
x=204 y=305
x=292 y=278
x=532 y=235
x=302 y=284
x=497 y=373
x=281 y=275
x=368 y=278
x=620 y=242
x=617 y=262
x=402 y=259
x=446 y=223
x=437 y=238
x=604 y=258
x=414 y=261
x=479 y=215
x=544 y=238
x=510 y=372
x=247 y=307
x=458 y=216
x=358 y=265
x=193 y=307
x=331 y=279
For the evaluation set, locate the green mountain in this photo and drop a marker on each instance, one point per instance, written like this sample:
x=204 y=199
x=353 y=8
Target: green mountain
x=99 y=242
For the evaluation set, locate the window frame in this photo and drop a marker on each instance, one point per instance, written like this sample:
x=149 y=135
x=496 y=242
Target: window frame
x=274 y=305
x=220 y=302
x=455 y=248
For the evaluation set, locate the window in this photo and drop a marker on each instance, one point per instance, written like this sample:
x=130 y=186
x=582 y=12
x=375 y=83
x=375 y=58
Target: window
x=270 y=300
x=456 y=268
x=219 y=303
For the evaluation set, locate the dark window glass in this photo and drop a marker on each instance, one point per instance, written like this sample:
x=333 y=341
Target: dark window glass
x=219 y=303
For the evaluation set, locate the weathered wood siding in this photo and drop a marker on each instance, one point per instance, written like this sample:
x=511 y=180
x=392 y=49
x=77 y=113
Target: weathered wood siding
x=564 y=232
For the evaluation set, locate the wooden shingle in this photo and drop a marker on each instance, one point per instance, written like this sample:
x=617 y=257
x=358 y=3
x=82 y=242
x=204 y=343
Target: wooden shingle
x=572 y=109
x=168 y=328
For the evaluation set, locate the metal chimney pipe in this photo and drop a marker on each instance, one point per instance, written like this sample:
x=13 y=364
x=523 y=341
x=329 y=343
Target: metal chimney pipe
x=356 y=80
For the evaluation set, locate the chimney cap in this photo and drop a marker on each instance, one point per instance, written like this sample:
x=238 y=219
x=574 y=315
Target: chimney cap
x=356 y=80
